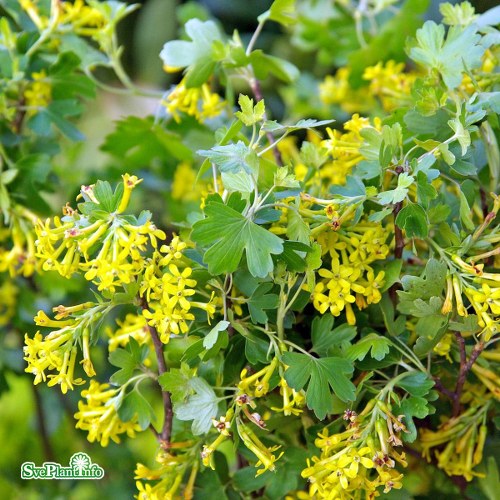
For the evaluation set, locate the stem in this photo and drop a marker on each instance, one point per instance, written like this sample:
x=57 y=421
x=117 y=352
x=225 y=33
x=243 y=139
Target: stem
x=254 y=37
x=399 y=242
x=442 y=389
x=214 y=173
x=257 y=92
x=166 y=431
x=465 y=366
x=295 y=295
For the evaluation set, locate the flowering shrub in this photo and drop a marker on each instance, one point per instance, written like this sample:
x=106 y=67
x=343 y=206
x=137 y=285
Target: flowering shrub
x=312 y=308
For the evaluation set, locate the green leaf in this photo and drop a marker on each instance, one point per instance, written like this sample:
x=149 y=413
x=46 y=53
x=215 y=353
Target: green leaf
x=181 y=53
x=249 y=113
x=375 y=344
x=451 y=56
x=430 y=284
x=465 y=212
x=140 y=141
x=177 y=382
x=461 y=14
x=210 y=340
x=7 y=176
x=200 y=407
x=240 y=182
x=260 y=301
x=283 y=178
x=490 y=483
x=228 y=234
x=413 y=219
x=429 y=330
x=283 y=12
x=413 y=407
x=133 y=404
x=399 y=194
x=328 y=342
x=322 y=376
x=392 y=271
x=128 y=360
x=421 y=308
x=461 y=133
x=297 y=229
x=264 y=64
x=232 y=157
x=416 y=384
x=425 y=190
x=446 y=154
x=274 y=126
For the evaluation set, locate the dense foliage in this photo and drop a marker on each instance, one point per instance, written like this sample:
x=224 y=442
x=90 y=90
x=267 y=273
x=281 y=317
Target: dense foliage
x=315 y=310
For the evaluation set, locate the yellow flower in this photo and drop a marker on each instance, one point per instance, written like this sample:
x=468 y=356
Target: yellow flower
x=132 y=326
x=390 y=84
x=443 y=347
x=336 y=90
x=38 y=93
x=199 y=102
x=17 y=244
x=54 y=352
x=184 y=183
x=110 y=251
x=458 y=443
x=85 y=20
x=266 y=459
x=99 y=417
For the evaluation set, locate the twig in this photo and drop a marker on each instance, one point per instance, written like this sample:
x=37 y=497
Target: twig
x=465 y=366
x=399 y=241
x=442 y=389
x=166 y=431
x=42 y=427
x=257 y=92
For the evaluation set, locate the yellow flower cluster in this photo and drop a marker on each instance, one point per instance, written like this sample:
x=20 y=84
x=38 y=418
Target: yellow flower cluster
x=256 y=385
x=351 y=278
x=480 y=289
x=38 y=93
x=486 y=303
x=265 y=455
x=390 y=84
x=133 y=326
x=85 y=20
x=185 y=187
x=458 y=443
x=17 y=244
x=338 y=91
x=169 y=474
x=167 y=286
x=108 y=249
x=356 y=462
x=99 y=417
x=343 y=148
x=58 y=350
x=482 y=77
x=199 y=102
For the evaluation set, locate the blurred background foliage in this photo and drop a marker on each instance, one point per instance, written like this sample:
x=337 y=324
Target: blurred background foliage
x=36 y=423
